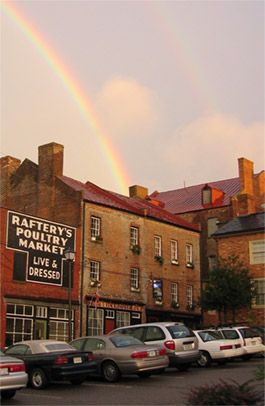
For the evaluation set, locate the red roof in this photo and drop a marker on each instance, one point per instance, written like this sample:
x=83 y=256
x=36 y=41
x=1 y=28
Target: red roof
x=94 y=194
x=190 y=198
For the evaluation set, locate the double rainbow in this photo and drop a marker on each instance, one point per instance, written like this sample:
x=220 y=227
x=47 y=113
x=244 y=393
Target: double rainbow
x=85 y=105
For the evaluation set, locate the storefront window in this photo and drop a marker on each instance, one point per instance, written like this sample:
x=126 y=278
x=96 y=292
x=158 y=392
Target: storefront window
x=95 y=322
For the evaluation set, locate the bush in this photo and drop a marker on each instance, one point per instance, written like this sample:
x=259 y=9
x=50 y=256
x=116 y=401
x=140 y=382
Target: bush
x=224 y=393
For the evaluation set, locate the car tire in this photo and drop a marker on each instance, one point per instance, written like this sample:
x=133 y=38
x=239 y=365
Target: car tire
x=8 y=394
x=110 y=371
x=38 y=379
x=205 y=359
x=183 y=367
x=77 y=381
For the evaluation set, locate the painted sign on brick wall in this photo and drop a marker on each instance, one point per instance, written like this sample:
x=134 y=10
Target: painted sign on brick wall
x=39 y=246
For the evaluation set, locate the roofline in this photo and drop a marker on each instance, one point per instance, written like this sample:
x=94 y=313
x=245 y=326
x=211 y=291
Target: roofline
x=147 y=216
x=228 y=234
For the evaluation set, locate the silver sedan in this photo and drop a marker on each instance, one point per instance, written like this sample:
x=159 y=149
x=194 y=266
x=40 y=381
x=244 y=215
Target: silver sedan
x=120 y=354
x=12 y=375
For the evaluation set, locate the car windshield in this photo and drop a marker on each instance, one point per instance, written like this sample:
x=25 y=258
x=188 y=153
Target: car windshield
x=125 y=341
x=58 y=347
x=180 y=331
x=230 y=334
x=209 y=336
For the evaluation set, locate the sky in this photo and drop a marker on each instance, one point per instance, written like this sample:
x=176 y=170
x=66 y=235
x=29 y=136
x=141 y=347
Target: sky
x=163 y=94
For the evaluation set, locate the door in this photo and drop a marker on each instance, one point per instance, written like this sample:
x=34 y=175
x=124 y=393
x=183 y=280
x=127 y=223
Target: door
x=41 y=329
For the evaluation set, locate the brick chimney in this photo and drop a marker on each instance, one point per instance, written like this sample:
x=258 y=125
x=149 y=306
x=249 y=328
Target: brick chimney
x=8 y=166
x=245 y=198
x=246 y=175
x=137 y=191
x=50 y=162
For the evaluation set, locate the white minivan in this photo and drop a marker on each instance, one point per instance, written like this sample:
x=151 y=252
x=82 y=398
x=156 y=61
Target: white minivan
x=179 y=340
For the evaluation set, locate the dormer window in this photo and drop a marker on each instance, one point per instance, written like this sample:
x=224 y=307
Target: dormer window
x=206 y=195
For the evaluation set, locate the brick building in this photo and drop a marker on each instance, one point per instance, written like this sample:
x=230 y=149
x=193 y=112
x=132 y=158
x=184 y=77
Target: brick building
x=215 y=204
x=134 y=260
x=244 y=235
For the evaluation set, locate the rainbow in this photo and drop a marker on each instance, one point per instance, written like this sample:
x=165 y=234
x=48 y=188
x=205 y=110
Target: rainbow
x=85 y=105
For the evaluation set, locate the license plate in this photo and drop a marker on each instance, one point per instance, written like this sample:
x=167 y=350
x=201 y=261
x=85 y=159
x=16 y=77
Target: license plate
x=3 y=371
x=152 y=353
x=187 y=347
x=77 y=360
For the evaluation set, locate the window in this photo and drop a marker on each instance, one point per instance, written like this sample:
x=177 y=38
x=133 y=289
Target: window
x=134 y=236
x=95 y=322
x=174 y=292
x=206 y=195
x=212 y=226
x=260 y=288
x=58 y=330
x=110 y=314
x=257 y=251
x=95 y=228
x=94 y=270
x=189 y=295
x=122 y=319
x=18 y=329
x=189 y=255
x=41 y=312
x=174 y=251
x=154 y=333
x=158 y=246
x=134 y=278
x=212 y=261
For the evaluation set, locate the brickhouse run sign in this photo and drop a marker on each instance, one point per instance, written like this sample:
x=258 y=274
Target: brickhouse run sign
x=40 y=246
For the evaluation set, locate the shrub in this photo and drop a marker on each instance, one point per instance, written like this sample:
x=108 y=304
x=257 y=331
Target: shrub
x=224 y=393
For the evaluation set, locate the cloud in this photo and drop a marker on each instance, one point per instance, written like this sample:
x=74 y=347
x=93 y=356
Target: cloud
x=127 y=108
x=207 y=148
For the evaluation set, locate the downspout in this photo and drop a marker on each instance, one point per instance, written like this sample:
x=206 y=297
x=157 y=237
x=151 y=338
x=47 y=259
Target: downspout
x=82 y=266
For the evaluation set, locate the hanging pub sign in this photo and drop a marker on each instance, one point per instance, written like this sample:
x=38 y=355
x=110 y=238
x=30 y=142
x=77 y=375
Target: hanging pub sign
x=39 y=246
x=158 y=290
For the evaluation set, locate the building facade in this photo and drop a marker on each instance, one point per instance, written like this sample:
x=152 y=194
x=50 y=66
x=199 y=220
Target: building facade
x=215 y=204
x=245 y=236
x=134 y=261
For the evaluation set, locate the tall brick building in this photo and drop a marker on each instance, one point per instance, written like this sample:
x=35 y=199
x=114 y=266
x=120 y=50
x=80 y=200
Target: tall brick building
x=134 y=260
x=216 y=206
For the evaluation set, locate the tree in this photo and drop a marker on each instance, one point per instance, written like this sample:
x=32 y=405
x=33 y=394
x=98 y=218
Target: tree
x=228 y=288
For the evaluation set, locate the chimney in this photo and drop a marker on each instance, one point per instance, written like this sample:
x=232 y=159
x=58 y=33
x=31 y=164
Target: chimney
x=8 y=166
x=246 y=175
x=139 y=192
x=245 y=198
x=50 y=162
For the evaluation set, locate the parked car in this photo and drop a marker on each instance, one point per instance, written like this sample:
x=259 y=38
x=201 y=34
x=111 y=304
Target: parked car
x=214 y=348
x=12 y=376
x=261 y=331
x=179 y=340
x=121 y=354
x=51 y=360
x=250 y=340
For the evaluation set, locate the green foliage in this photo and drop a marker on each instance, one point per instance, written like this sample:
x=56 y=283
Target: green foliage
x=224 y=393
x=229 y=287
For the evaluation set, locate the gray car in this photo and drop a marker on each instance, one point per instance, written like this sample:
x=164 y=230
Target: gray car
x=12 y=375
x=121 y=354
x=179 y=340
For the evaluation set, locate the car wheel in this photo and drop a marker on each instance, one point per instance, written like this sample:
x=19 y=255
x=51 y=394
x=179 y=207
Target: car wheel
x=77 y=381
x=110 y=371
x=38 y=379
x=183 y=367
x=8 y=394
x=204 y=360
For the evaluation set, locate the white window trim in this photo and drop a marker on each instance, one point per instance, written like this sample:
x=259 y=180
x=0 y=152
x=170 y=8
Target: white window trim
x=256 y=252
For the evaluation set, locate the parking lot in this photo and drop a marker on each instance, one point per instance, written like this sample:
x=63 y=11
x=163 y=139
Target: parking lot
x=170 y=388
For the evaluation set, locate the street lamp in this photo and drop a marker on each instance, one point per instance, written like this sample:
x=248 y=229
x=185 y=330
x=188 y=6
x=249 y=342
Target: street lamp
x=70 y=256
